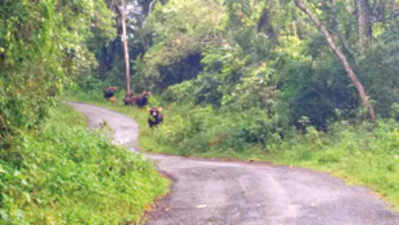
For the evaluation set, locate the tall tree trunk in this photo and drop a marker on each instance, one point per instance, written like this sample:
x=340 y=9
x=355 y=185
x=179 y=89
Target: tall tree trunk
x=359 y=87
x=364 y=25
x=122 y=10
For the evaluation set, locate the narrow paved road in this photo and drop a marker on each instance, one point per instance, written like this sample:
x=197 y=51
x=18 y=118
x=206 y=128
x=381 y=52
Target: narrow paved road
x=231 y=193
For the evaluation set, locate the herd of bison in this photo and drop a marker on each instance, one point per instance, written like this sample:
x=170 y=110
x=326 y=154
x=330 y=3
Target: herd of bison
x=140 y=101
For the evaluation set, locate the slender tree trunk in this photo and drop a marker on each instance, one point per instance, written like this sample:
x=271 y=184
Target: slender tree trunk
x=122 y=10
x=364 y=25
x=359 y=87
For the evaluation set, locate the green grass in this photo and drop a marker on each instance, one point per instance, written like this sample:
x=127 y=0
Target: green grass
x=65 y=174
x=362 y=154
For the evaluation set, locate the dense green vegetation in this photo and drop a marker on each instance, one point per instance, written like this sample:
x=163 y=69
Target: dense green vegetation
x=243 y=79
x=43 y=48
x=255 y=79
x=52 y=169
x=65 y=174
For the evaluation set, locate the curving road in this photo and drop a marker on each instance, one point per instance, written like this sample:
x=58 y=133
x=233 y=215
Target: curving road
x=231 y=193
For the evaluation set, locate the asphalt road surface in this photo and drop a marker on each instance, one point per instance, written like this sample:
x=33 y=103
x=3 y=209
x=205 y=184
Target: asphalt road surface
x=233 y=193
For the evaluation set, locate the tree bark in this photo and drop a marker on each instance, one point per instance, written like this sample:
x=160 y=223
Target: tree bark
x=122 y=10
x=364 y=25
x=351 y=74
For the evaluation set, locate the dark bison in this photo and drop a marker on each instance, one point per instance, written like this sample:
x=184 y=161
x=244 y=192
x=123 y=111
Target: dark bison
x=109 y=92
x=140 y=100
x=156 y=116
x=129 y=99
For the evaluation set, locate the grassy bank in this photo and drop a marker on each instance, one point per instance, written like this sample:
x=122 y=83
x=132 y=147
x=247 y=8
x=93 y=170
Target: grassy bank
x=64 y=174
x=362 y=154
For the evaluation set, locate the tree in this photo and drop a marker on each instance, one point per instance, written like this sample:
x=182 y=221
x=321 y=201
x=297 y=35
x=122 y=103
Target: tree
x=364 y=23
x=179 y=35
x=351 y=74
x=131 y=15
x=122 y=10
x=43 y=48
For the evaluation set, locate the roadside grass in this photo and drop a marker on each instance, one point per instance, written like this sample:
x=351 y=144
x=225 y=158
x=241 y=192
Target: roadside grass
x=362 y=154
x=66 y=174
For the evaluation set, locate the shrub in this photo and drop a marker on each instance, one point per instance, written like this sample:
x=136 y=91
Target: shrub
x=67 y=175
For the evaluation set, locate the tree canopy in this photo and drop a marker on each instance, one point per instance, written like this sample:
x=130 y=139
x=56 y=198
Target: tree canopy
x=234 y=55
x=44 y=46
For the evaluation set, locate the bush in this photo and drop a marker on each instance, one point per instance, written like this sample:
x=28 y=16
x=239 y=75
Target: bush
x=66 y=175
x=42 y=48
x=197 y=130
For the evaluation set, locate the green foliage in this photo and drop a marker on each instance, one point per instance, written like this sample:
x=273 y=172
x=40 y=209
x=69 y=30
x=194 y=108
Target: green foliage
x=240 y=55
x=317 y=90
x=198 y=130
x=179 y=36
x=67 y=175
x=265 y=84
x=203 y=90
x=42 y=47
x=233 y=72
x=363 y=154
x=188 y=129
x=378 y=68
x=268 y=56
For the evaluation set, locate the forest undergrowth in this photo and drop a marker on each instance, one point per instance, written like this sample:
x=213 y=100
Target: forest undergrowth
x=66 y=174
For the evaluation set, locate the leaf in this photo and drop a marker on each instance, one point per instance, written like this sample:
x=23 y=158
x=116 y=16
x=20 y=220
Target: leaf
x=27 y=196
x=2 y=170
x=19 y=214
x=4 y=215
